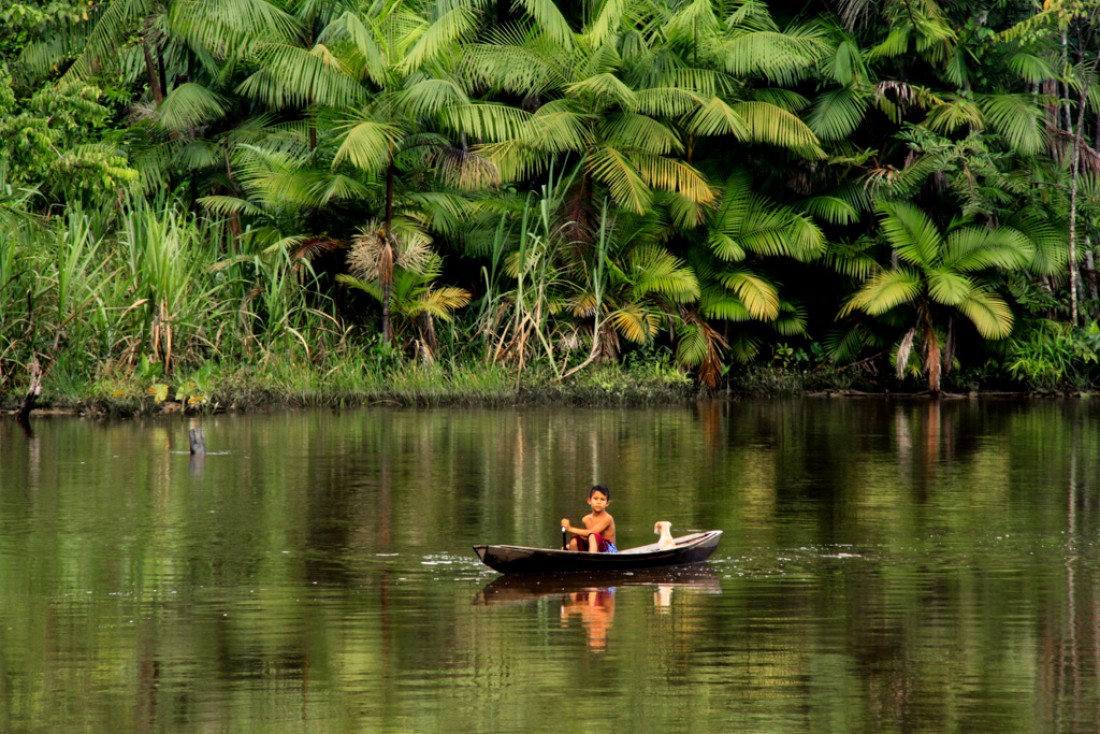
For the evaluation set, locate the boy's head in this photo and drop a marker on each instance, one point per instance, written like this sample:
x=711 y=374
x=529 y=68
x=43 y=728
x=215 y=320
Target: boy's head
x=602 y=489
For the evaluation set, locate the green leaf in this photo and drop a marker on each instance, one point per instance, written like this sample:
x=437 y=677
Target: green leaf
x=990 y=315
x=884 y=291
x=188 y=106
x=1019 y=119
x=911 y=233
x=367 y=145
x=760 y=297
x=948 y=287
x=837 y=113
x=767 y=123
x=657 y=271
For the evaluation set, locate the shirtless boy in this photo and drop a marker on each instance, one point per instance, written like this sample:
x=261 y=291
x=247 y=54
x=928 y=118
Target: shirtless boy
x=598 y=533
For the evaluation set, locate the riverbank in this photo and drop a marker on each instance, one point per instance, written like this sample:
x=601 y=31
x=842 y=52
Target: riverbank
x=253 y=387
x=218 y=388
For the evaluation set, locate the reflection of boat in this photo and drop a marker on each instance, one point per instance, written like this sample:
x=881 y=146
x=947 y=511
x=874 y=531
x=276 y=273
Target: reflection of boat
x=520 y=588
x=691 y=548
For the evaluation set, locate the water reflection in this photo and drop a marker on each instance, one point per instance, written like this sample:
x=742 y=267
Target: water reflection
x=591 y=597
x=886 y=566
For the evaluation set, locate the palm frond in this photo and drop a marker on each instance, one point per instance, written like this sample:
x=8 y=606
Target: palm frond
x=639 y=132
x=948 y=287
x=441 y=303
x=550 y=21
x=781 y=58
x=667 y=174
x=522 y=69
x=1048 y=242
x=767 y=123
x=791 y=320
x=969 y=249
x=430 y=96
x=717 y=303
x=831 y=209
x=883 y=292
x=606 y=21
x=845 y=344
x=292 y=76
x=557 y=128
x=851 y=260
x=228 y=205
x=692 y=345
x=838 y=112
x=759 y=295
x=188 y=106
x=725 y=246
x=367 y=145
x=990 y=315
x=440 y=36
x=911 y=233
x=667 y=102
x=336 y=187
x=372 y=65
x=228 y=28
x=1031 y=68
x=464 y=169
x=626 y=186
x=716 y=117
x=954 y=112
x=200 y=154
x=634 y=323
x=605 y=88
x=370 y=288
x=486 y=121
x=656 y=270
x=845 y=65
x=1018 y=119
x=118 y=20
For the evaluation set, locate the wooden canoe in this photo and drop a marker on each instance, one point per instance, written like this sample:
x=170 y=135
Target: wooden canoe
x=691 y=548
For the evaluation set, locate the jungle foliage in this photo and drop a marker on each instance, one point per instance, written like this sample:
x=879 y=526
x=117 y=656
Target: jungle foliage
x=899 y=194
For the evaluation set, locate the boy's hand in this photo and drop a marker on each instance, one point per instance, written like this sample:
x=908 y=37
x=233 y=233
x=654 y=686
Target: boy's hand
x=565 y=522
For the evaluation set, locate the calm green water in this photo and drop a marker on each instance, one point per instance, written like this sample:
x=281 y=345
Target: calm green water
x=886 y=567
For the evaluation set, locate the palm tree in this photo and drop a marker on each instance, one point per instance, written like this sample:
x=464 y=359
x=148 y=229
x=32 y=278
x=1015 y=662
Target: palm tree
x=178 y=40
x=404 y=285
x=390 y=126
x=940 y=276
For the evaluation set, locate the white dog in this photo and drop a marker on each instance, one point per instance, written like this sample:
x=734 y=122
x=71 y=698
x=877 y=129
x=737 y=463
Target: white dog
x=664 y=529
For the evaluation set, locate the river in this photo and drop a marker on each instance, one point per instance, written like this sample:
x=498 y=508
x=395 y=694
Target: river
x=886 y=566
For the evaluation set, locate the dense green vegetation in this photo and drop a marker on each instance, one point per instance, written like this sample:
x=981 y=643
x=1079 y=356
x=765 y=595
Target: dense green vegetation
x=337 y=198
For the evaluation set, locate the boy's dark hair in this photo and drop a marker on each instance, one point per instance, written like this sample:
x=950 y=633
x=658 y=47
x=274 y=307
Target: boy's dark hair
x=599 y=488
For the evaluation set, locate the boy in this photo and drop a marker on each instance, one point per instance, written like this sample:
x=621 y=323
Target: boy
x=598 y=533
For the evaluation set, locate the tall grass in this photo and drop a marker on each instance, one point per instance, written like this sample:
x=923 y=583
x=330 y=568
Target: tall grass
x=142 y=293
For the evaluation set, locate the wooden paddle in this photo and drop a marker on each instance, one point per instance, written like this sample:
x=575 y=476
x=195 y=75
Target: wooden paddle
x=564 y=539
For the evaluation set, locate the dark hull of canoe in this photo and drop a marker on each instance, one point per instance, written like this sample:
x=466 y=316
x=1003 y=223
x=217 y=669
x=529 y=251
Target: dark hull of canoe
x=693 y=548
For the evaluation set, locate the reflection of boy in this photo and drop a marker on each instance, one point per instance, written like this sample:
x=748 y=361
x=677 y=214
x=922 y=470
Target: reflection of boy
x=596 y=608
x=598 y=533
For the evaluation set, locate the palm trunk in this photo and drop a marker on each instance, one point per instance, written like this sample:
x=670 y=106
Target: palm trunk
x=151 y=71
x=385 y=269
x=1073 y=185
x=933 y=356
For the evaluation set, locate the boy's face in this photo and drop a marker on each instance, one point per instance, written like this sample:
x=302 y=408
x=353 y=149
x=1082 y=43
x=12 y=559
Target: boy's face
x=598 y=502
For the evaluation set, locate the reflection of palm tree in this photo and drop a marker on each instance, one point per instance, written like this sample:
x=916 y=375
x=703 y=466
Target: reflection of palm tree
x=941 y=275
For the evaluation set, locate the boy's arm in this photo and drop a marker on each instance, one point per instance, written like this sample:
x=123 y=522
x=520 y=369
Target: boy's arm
x=583 y=532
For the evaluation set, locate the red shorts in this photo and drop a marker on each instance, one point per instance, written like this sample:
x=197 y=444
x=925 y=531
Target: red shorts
x=603 y=545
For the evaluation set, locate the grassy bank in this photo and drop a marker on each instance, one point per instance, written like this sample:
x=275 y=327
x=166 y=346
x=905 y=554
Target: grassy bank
x=289 y=383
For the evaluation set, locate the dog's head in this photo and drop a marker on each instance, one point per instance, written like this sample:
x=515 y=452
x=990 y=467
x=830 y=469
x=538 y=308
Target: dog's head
x=661 y=526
